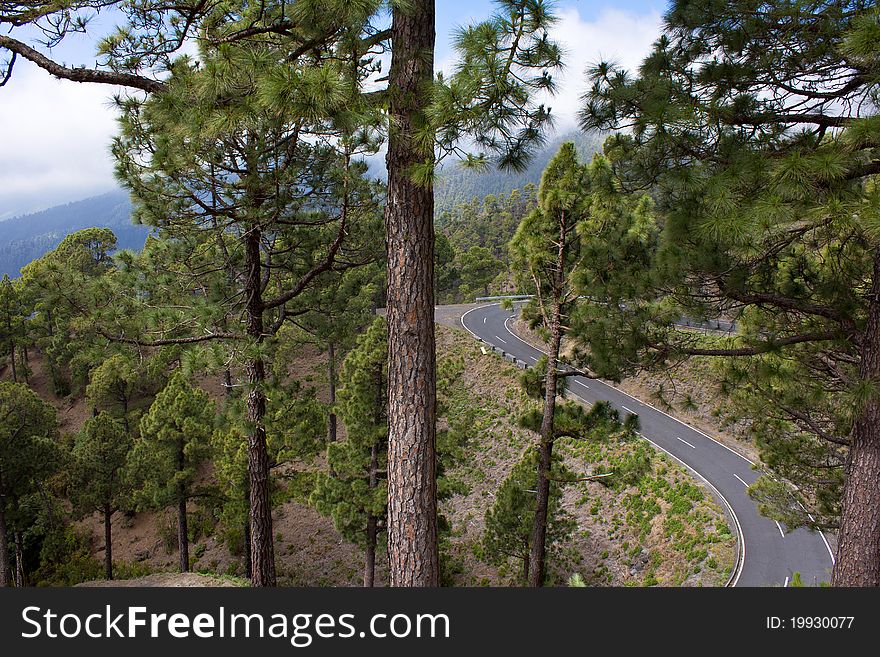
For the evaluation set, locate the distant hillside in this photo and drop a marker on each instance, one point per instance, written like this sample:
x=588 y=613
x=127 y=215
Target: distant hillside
x=29 y=236
x=25 y=238
x=456 y=184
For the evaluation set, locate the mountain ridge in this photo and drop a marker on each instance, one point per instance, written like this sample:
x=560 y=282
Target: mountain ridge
x=27 y=237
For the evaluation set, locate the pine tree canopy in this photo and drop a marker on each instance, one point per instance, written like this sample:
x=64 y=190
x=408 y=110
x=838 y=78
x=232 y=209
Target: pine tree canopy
x=754 y=127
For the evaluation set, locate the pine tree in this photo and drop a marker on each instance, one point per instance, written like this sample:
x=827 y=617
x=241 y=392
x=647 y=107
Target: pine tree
x=491 y=100
x=11 y=323
x=114 y=383
x=99 y=481
x=510 y=520
x=282 y=210
x=766 y=184
x=174 y=440
x=28 y=455
x=355 y=495
x=57 y=291
x=546 y=249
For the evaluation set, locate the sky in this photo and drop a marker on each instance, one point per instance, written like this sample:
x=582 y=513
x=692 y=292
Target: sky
x=55 y=135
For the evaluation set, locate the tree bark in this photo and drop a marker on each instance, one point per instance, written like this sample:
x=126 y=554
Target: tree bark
x=12 y=360
x=248 y=565
x=372 y=521
x=19 y=561
x=545 y=454
x=5 y=569
x=108 y=543
x=331 y=375
x=182 y=530
x=858 y=550
x=545 y=449
x=262 y=540
x=409 y=221
x=370 y=561
x=182 y=537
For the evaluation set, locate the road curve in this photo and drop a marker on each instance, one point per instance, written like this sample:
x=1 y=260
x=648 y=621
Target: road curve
x=769 y=556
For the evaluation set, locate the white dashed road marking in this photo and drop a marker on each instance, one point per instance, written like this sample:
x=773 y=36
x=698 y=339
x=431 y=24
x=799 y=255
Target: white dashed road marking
x=686 y=442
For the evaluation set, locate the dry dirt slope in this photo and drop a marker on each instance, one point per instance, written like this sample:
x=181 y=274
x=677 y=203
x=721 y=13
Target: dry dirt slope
x=664 y=532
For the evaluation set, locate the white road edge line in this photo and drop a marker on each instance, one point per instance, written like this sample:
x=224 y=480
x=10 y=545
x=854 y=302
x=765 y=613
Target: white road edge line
x=785 y=586
x=742 y=481
x=737 y=571
x=686 y=442
x=780 y=528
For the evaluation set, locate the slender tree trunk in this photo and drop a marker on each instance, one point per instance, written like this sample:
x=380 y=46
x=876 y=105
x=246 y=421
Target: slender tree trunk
x=262 y=546
x=526 y=563
x=182 y=530
x=12 y=360
x=182 y=536
x=409 y=221
x=373 y=521
x=858 y=549
x=19 y=561
x=545 y=448
x=370 y=561
x=545 y=455
x=331 y=375
x=5 y=569
x=108 y=542
x=26 y=363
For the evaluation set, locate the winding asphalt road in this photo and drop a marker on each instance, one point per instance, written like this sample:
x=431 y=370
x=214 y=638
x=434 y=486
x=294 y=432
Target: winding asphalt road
x=768 y=554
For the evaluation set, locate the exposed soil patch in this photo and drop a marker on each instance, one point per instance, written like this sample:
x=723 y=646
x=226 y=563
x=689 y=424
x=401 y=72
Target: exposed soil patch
x=170 y=580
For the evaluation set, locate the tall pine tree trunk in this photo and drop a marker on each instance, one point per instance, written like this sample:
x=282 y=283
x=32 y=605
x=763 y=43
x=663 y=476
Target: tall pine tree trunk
x=182 y=530
x=331 y=375
x=409 y=221
x=19 y=560
x=12 y=360
x=858 y=550
x=370 y=560
x=5 y=569
x=373 y=521
x=182 y=536
x=262 y=546
x=108 y=543
x=545 y=454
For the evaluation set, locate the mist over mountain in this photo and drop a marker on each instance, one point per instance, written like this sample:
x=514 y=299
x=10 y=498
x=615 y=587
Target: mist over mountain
x=456 y=184
x=27 y=237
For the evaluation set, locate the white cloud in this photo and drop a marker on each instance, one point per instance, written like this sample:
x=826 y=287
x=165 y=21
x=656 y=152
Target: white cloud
x=54 y=140
x=614 y=35
x=55 y=135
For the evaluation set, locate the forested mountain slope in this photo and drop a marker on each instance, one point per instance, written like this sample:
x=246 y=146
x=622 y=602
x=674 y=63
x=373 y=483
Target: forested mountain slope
x=456 y=184
x=29 y=236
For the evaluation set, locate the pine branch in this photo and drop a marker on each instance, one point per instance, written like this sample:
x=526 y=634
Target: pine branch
x=81 y=74
x=170 y=341
x=770 y=345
